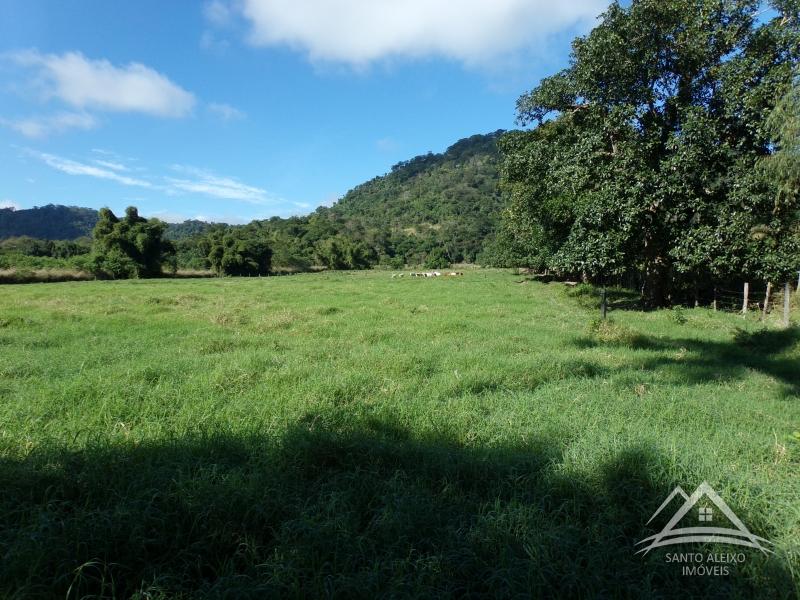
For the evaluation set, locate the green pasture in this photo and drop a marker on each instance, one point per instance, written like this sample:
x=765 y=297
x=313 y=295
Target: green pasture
x=356 y=436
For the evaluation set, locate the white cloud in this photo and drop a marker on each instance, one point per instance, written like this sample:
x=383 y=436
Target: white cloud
x=191 y=179
x=73 y=167
x=97 y=84
x=358 y=32
x=209 y=184
x=39 y=127
x=226 y=112
x=217 y=12
x=9 y=204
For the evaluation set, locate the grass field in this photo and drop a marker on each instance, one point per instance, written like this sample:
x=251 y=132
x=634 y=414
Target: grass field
x=349 y=435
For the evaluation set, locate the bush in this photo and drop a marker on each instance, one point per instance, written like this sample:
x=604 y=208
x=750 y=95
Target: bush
x=437 y=259
x=235 y=253
x=607 y=331
x=678 y=315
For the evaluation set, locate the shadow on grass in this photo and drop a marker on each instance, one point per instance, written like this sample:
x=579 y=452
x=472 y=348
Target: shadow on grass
x=617 y=298
x=767 y=351
x=342 y=507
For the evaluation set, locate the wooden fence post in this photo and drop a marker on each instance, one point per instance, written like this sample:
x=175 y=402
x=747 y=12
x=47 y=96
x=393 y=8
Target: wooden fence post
x=787 y=292
x=766 y=300
x=714 y=303
x=603 y=304
x=746 y=298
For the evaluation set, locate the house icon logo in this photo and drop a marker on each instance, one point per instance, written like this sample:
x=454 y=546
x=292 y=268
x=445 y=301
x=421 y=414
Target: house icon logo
x=674 y=533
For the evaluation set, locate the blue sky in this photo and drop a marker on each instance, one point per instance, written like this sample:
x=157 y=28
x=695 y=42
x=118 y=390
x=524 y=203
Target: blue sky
x=239 y=109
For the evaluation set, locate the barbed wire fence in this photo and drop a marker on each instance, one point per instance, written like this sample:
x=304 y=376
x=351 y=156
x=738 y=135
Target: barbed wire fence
x=761 y=298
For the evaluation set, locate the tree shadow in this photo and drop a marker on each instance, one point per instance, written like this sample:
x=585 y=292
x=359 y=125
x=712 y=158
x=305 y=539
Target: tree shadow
x=343 y=507
x=694 y=361
x=617 y=298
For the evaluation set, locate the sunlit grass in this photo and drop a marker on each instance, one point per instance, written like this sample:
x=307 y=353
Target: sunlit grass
x=349 y=434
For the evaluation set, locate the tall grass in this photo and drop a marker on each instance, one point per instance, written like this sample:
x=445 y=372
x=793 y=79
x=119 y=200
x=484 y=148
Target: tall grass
x=350 y=435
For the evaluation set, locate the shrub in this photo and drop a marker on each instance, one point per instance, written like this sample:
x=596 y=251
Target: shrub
x=607 y=331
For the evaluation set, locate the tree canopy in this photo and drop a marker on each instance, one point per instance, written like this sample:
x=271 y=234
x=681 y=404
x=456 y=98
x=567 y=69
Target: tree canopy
x=644 y=159
x=235 y=252
x=130 y=247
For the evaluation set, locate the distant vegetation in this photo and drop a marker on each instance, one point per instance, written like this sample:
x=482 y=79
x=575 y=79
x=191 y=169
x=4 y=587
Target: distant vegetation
x=180 y=231
x=51 y=222
x=236 y=252
x=434 y=209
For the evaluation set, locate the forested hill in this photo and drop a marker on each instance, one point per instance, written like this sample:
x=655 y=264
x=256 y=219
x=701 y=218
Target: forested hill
x=51 y=222
x=449 y=200
x=431 y=189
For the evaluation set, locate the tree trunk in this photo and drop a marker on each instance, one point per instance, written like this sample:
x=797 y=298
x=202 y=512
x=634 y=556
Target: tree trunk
x=656 y=270
x=655 y=285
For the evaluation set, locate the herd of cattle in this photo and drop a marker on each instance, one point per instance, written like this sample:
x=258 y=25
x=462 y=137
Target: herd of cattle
x=429 y=274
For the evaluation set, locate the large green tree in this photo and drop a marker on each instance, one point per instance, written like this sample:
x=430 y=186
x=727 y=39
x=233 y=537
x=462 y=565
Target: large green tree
x=129 y=247
x=645 y=157
x=239 y=252
x=779 y=237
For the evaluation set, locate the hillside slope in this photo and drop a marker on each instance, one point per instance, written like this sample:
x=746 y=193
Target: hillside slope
x=449 y=200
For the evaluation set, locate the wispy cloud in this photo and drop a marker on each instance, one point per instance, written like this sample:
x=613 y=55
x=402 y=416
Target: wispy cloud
x=86 y=83
x=114 y=166
x=9 y=204
x=189 y=180
x=386 y=144
x=73 y=167
x=226 y=112
x=218 y=12
x=168 y=216
x=40 y=127
x=209 y=184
